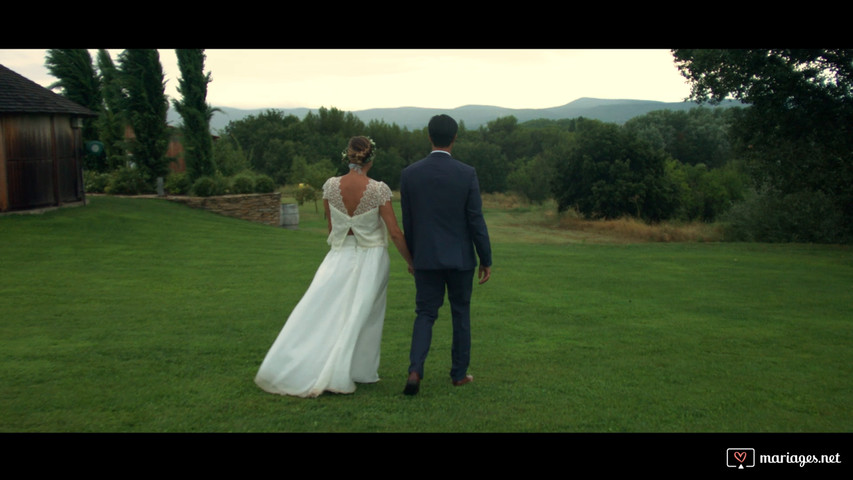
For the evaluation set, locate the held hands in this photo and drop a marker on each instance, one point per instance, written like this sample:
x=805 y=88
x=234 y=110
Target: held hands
x=484 y=274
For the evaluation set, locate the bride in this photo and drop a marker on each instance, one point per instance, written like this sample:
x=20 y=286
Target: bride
x=331 y=340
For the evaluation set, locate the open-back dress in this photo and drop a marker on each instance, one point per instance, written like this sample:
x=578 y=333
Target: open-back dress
x=332 y=337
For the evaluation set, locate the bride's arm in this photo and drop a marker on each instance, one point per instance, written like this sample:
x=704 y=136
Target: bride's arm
x=387 y=213
x=328 y=214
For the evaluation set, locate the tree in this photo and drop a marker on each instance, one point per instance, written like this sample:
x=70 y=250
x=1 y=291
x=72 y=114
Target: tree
x=697 y=136
x=328 y=132
x=196 y=113
x=395 y=148
x=705 y=194
x=503 y=132
x=532 y=178
x=111 y=122
x=270 y=141
x=797 y=134
x=145 y=104
x=78 y=82
x=76 y=76
x=772 y=78
x=605 y=172
x=229 y=158
x=488 y=159
x=387 y=165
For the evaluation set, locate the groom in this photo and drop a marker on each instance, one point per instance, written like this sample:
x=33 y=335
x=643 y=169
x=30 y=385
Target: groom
x=443 y=224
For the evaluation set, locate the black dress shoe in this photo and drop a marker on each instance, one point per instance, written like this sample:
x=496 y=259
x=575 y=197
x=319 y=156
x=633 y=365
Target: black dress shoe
x=413 y=384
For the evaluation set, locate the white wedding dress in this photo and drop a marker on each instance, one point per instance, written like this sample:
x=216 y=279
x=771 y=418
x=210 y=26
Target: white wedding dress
x=331 y=340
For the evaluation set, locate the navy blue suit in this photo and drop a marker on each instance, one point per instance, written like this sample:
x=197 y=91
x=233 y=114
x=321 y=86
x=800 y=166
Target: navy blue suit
x=444 y=226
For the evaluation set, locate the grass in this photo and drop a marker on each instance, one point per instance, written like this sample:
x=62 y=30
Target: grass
x=140 y=315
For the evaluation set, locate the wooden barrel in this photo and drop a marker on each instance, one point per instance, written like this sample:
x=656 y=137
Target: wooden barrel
x=290 y=215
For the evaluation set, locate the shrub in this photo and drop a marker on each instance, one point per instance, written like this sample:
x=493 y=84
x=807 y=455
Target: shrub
x=205 y=187
x=229 y=157
x=769 y=216
x=264 y=184
x=127 y=181
x=532 y=179
x=305 y=193
x=95 y=182
x=178 y=183
x=243 y=183
x=223 y=184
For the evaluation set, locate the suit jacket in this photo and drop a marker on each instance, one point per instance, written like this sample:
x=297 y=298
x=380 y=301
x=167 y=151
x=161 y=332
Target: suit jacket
x=442 y=214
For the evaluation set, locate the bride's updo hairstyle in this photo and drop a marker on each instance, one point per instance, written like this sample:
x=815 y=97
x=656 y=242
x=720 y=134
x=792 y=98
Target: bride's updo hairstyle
x=359 y=151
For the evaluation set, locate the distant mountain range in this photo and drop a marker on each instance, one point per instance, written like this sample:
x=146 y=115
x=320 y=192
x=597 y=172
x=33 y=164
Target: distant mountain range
x=415 y=118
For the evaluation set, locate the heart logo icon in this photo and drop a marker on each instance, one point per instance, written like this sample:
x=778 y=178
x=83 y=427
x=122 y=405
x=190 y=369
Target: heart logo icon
x=740 y=456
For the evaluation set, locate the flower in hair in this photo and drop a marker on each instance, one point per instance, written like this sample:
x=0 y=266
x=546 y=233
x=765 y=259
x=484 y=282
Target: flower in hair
x=368 y=159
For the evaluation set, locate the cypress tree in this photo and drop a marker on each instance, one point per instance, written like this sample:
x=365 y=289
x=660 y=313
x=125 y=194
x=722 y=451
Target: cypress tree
x=195 y=112
x=145 y=105
x=78 y=82
x=111 y=122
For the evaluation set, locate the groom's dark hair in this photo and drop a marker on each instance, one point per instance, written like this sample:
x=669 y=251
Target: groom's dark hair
x=442 y=130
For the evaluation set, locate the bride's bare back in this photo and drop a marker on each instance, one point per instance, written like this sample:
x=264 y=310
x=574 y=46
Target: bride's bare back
x=353 y=187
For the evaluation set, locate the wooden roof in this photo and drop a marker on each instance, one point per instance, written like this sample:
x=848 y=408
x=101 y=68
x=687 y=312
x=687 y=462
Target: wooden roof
x=21 y=95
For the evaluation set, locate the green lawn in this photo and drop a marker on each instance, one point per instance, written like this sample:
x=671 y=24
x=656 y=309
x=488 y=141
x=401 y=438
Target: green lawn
x=141 y=315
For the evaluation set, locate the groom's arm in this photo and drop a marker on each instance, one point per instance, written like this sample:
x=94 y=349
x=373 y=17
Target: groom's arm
x=477 y=223
x=405 y=210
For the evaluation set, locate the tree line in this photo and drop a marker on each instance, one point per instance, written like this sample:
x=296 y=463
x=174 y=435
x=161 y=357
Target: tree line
x=663 y=165
x=777 y=169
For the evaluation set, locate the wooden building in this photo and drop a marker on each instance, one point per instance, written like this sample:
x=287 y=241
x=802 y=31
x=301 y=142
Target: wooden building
x=41 y=145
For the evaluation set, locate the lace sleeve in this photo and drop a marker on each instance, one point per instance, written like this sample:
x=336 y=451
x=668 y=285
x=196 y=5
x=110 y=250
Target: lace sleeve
x=327 y=187
x=376 y=195
x=385 y=194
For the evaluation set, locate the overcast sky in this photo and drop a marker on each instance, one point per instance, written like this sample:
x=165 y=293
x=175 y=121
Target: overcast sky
x=352 y=80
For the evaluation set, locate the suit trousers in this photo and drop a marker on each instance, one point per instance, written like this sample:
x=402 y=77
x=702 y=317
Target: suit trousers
x=430 y=288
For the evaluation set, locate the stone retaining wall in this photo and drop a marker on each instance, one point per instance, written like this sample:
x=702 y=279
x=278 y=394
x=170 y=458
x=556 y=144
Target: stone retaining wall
x=256 y=207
